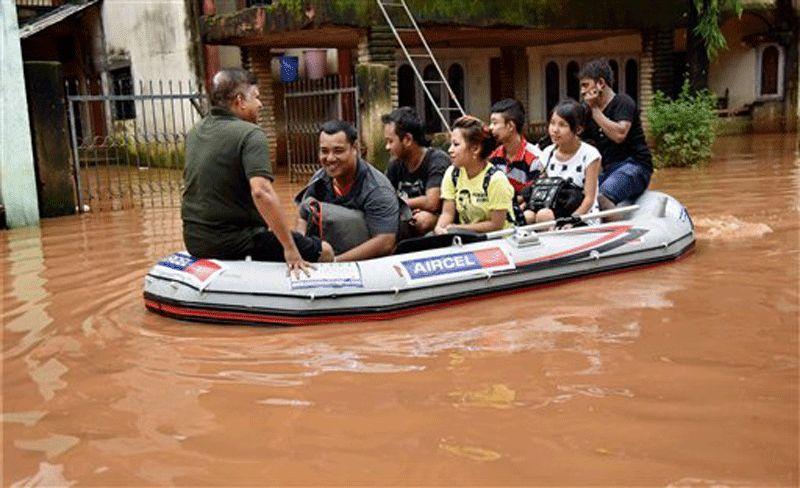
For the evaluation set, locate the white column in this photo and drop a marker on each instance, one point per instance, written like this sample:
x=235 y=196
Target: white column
x=17 y=176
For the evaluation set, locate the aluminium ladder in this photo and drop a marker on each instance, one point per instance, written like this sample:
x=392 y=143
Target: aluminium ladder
x=442 y=81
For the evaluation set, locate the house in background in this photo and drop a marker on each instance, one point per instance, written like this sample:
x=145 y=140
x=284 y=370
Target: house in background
x=123 y=80
x=527 y=50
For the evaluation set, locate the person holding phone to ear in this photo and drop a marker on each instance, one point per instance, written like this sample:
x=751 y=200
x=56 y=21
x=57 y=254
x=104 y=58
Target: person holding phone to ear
x=615 y=128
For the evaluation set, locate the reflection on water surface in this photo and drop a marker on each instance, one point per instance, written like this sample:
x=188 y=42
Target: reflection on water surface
x=682 y=374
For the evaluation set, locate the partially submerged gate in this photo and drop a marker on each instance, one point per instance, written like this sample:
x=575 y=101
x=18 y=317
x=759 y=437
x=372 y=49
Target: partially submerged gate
x=128 y=141
x=307 y=105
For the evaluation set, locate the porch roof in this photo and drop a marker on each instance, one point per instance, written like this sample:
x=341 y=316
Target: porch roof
x=53 y=17
x=339 y=23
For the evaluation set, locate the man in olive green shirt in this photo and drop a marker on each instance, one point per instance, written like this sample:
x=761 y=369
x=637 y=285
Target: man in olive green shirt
x=228 y=195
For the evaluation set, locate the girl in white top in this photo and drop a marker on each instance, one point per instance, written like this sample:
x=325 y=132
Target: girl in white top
x=570 y=158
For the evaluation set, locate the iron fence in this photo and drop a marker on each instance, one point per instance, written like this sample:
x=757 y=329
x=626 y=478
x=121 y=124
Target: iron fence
x=307 y=104
x=128 y=141
x=40 y=3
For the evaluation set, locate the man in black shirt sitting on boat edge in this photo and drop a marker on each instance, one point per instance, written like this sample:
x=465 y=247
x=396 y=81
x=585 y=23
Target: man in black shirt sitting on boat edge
x=615 y=129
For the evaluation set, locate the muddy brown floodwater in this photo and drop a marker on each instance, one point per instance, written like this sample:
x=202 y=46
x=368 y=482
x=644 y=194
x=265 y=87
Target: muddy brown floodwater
x=679 y=374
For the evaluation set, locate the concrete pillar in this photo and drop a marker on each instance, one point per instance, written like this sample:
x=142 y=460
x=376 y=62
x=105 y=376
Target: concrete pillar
x=260 y=64
x=17 y=175
x=663 y=47
x=48 y=113
x=376 y=100
x=646 y=68
x=345 y=69
x=210 y=53
x=518 y=59
x=379 y=46
x=508 y=62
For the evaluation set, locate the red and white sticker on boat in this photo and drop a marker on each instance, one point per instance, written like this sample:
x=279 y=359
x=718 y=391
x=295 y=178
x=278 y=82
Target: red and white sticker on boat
x=456 y=264
x=196 y=272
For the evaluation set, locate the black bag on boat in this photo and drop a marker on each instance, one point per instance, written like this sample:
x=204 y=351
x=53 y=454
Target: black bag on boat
x=561 y=196
x=343 y=228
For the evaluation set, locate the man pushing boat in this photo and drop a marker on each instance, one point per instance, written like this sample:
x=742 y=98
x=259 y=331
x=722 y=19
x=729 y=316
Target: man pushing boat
x=230 y=209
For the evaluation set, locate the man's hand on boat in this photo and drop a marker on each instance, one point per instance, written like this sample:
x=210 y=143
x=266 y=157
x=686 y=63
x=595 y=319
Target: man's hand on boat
x=296 y=263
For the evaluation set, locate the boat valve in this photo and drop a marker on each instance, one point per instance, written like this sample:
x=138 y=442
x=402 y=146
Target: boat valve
x=595 y=255
x=661 y=209
x=523 y=238
x=457 y=241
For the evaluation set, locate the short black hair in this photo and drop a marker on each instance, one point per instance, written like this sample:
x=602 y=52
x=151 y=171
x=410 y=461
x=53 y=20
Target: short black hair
x=335 y=126
x=574 y=113
x=228 y=83
x=513 y=110
x=406 y=121
x=596 y=69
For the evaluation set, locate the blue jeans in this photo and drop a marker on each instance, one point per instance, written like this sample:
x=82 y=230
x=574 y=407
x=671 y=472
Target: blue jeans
x=625 y=180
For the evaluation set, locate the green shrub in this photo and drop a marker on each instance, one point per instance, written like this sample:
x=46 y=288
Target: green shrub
x=161 y=154
x=683 y=129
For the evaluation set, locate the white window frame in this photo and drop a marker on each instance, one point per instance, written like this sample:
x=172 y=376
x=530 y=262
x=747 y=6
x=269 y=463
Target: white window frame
x=419 y=93
x=563 y=61
x=781 y=66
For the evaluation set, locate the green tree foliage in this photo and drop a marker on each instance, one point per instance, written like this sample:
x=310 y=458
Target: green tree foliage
x=708 y=21
x=683 y=128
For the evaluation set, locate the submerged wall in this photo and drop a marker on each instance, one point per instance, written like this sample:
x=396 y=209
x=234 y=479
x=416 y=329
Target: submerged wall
x=17 y=175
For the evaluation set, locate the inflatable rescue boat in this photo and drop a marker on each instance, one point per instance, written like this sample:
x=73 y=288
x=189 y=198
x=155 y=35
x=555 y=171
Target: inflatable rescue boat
x=441 y=270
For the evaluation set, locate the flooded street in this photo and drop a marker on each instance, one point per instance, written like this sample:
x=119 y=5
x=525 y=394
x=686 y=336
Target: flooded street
x=679 y=374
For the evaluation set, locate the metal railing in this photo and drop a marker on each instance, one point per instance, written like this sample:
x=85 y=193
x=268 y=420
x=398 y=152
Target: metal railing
x=128 y=141
x=307 y=104
x=40 y=3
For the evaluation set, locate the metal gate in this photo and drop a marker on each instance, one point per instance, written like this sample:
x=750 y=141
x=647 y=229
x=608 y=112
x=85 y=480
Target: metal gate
x=307 y=104
x=128 y=141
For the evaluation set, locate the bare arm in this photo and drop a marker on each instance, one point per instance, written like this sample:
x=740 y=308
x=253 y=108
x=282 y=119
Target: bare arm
x=268 y=205
x=430 y=201
x=446 y=217
x=380 y=245
x=496 y=222
x=301 y=226
x=616 y=131
x=589 y=187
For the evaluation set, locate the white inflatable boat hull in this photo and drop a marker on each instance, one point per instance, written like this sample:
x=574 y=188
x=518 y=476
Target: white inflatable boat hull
x=251 y=292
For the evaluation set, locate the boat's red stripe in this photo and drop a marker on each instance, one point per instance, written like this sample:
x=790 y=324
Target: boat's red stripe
x=611 y=233
x=190 y=312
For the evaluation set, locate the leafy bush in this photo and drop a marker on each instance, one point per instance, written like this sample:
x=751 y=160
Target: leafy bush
x=683 y=129
x=150 y=154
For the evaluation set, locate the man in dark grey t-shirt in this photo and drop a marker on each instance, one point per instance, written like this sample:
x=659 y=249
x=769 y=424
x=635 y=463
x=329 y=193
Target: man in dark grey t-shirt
x=348 y=181
x=416 y=170
x=228 y=195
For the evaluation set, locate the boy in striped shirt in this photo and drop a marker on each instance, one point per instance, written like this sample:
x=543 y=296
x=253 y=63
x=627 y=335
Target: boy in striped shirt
x=516 y=157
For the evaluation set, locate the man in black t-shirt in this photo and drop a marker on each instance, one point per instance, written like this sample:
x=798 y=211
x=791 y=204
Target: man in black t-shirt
x=615 y=128
x=228 y=199
x=416 y=170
